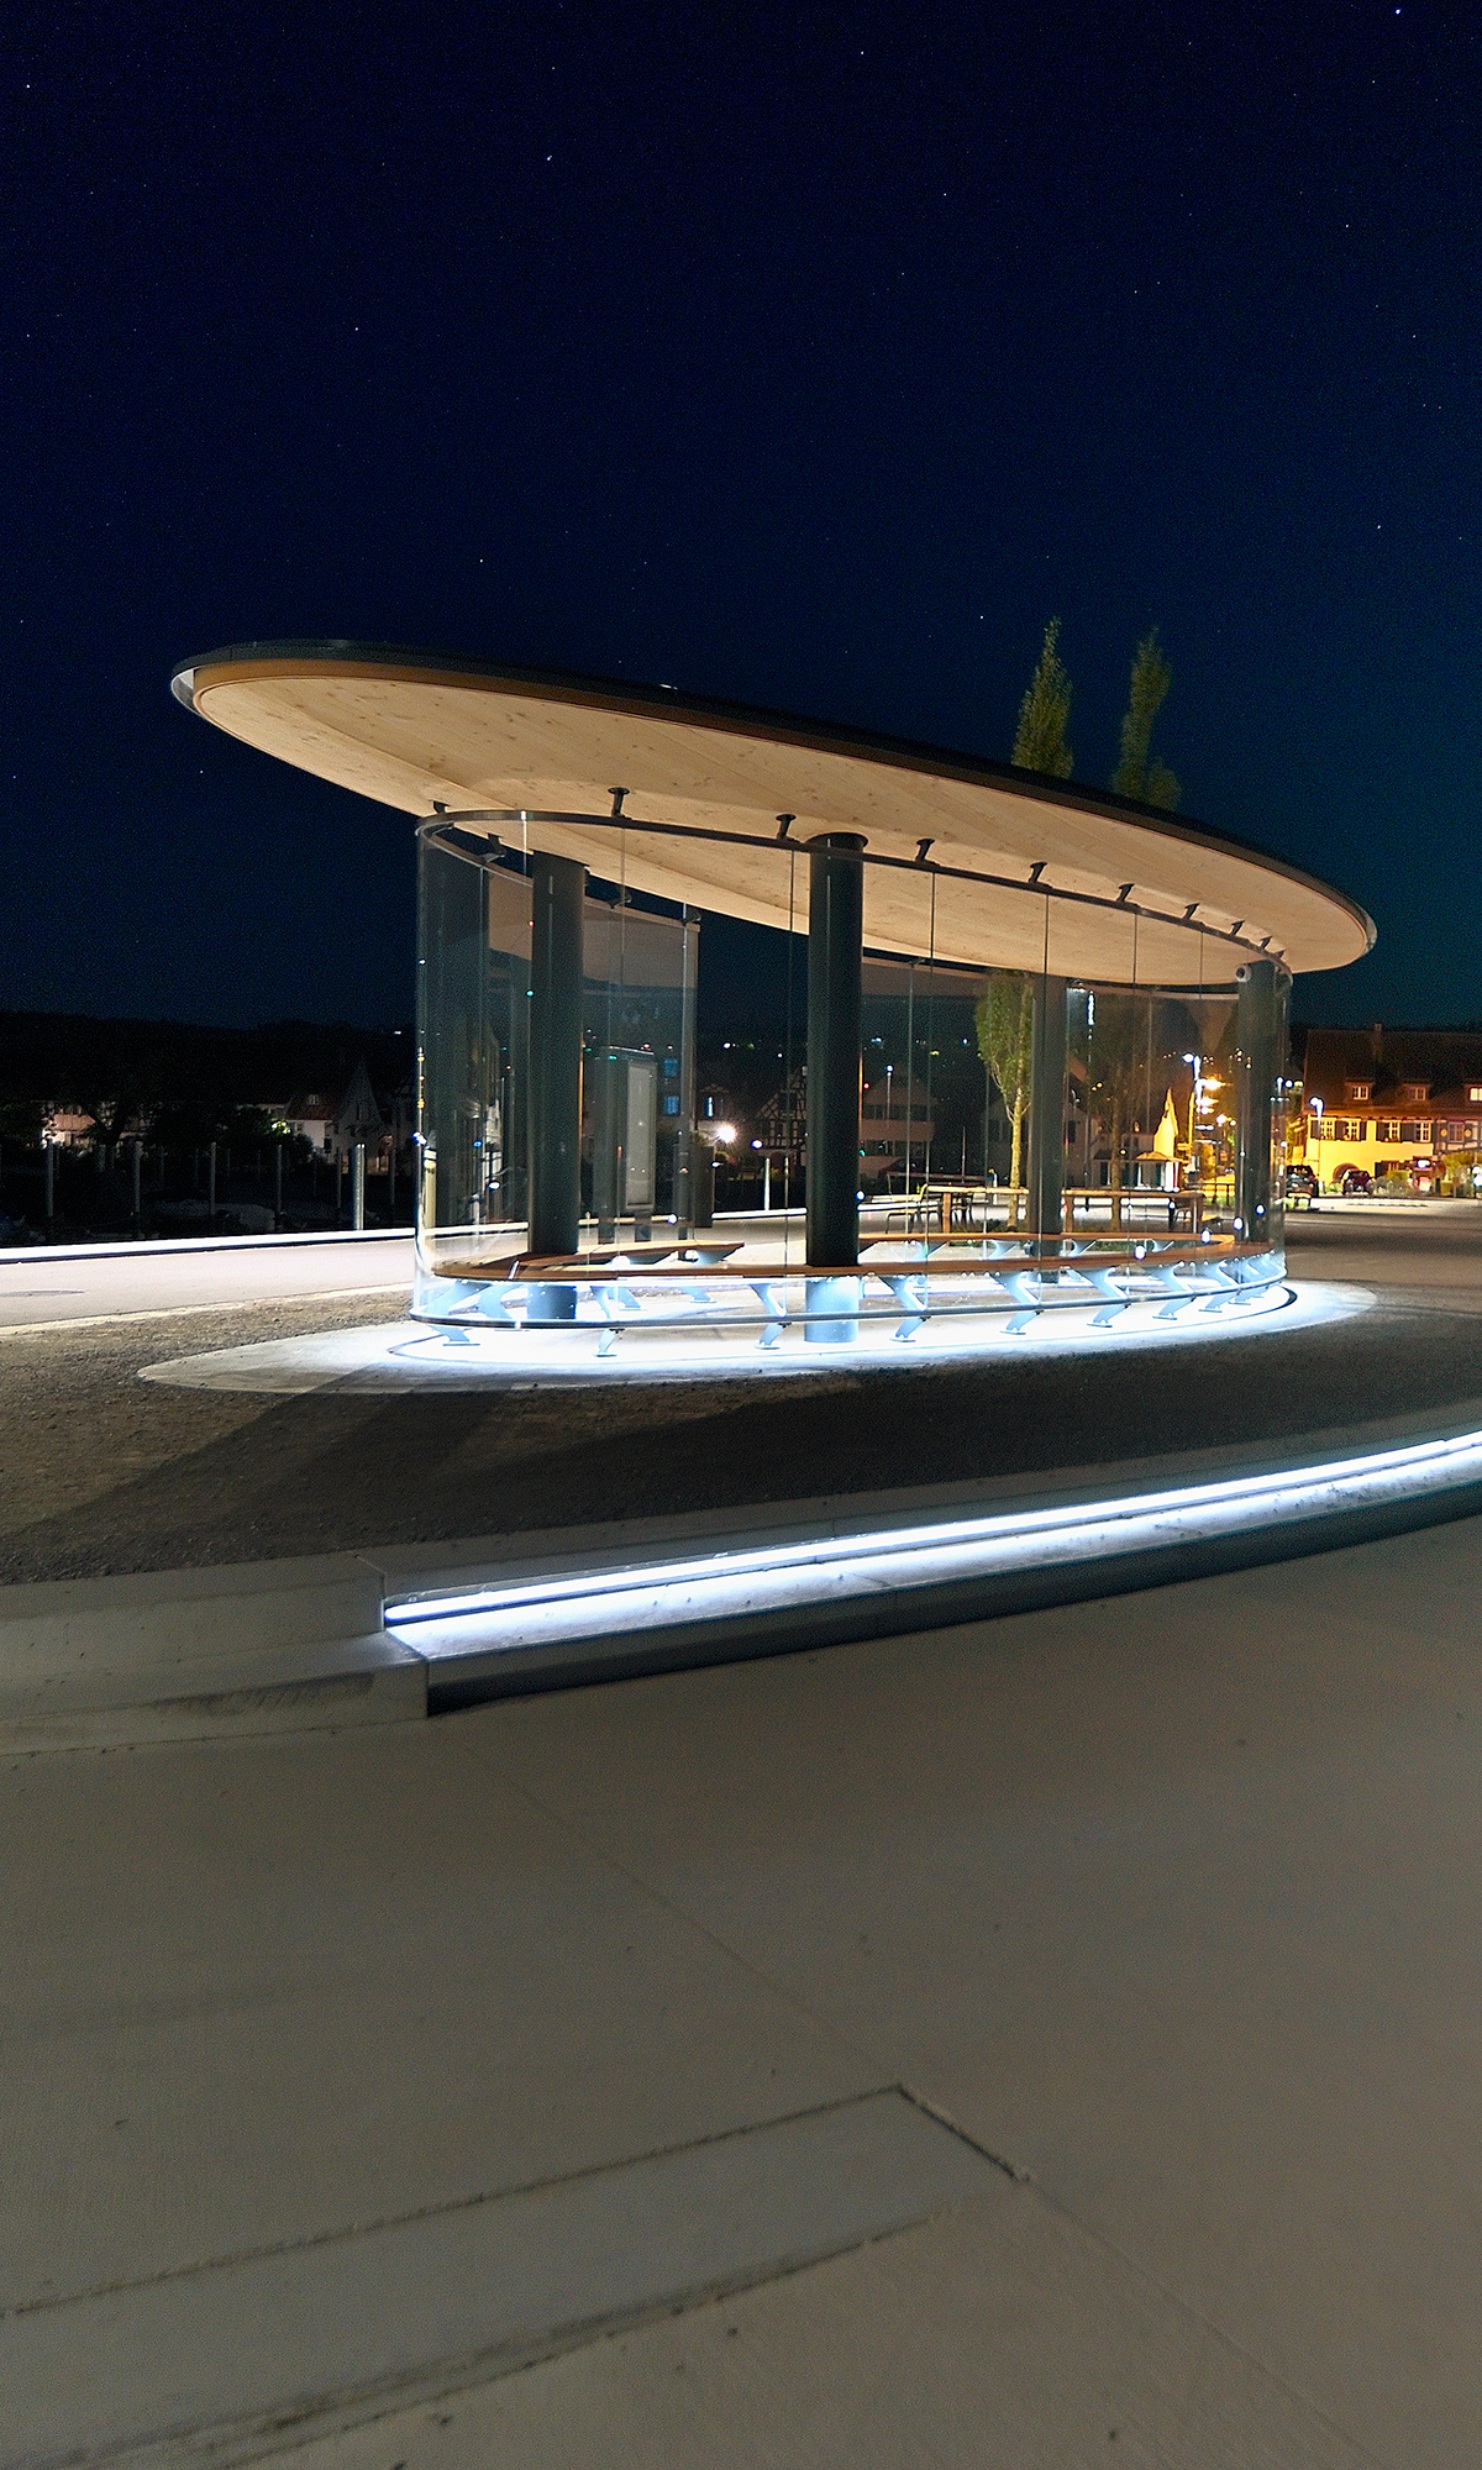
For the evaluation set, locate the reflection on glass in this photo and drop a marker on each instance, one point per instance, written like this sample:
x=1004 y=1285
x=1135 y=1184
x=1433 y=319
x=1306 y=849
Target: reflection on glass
x=1026 y=1142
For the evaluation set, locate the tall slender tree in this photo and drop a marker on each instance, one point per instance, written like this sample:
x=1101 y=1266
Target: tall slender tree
x=1139 y=774
x=1040 y=741
x=1004 y=1017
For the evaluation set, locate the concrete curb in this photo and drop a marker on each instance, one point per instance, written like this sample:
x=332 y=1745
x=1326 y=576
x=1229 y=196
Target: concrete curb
x=305 y=1644
x=180 y=1654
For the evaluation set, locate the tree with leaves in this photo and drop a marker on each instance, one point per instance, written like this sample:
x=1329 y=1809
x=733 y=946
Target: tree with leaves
x=1139 y=773
x=1004 y=1018
x=1039 y=741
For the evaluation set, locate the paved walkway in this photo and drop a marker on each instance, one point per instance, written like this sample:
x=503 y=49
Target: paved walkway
x=1058 y=2041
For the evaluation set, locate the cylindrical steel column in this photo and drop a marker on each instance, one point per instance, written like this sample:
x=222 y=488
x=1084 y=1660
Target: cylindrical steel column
x=1256 y=1038
x=357 y=1187
x=1047 y=1070
x=555 y=1053
x=835 y=938
x=689 y=1163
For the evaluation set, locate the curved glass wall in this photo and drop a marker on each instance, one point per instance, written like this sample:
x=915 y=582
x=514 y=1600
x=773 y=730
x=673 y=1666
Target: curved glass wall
x=1030 y=1143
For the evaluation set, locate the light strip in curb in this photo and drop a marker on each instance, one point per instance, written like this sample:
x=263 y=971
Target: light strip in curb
x=822 y=1572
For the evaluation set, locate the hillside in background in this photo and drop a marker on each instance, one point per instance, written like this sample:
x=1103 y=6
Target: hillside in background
x=118 y=1067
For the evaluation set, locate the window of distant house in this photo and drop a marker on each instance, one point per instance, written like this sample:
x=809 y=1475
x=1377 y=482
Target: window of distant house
x=1347 y=1128
x=1474 y=1093
x=1416 y=1089
x=1388 y=1128
x=1412 y=1129
x=1359 y=1090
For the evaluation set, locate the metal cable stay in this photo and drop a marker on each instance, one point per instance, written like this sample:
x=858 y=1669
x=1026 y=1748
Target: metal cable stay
x=922 y=864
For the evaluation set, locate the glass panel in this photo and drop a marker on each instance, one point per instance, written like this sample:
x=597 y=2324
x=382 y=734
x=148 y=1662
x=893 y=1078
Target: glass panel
x=1160 y=1126
x=473 y=998
x=638 y=993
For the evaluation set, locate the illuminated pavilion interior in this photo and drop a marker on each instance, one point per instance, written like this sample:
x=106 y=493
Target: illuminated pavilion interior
x=1123 y=972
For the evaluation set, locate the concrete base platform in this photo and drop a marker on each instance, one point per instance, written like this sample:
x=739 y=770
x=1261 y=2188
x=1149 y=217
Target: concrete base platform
x=410 y=1357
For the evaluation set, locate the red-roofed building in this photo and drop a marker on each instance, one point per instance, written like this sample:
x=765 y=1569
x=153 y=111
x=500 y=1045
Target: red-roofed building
x=1403 y=1106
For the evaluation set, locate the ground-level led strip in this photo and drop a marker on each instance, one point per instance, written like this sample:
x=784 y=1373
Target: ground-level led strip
x=826 y=1571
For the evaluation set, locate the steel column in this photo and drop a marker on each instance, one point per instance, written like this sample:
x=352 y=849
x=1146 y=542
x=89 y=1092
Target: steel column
x=835 y=939
x=1255 y=1036
x=689 y=1164
x=555 y=1055
x=1047 y=1073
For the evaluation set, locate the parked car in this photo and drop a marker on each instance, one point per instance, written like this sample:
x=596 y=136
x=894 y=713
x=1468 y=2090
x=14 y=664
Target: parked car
x=1301 y=1183
x=1354 y=1182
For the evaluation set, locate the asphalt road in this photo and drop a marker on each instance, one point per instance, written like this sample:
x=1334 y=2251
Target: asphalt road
x=128 y=1281
x=101 y=1472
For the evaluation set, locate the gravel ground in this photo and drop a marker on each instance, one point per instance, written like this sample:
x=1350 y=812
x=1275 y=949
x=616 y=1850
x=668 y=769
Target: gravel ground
x=101 y=1472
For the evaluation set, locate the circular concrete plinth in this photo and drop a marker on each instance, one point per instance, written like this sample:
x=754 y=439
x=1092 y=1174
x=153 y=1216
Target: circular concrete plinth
x=406 y=1355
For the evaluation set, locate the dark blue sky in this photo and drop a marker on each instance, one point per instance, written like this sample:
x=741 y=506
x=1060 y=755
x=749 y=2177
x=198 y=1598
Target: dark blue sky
x=807 y=356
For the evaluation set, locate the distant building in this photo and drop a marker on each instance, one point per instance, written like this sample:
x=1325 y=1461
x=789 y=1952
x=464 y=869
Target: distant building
x=66 y=1127
x=334 y=1125
x=357 y=1117
x=779 y=1122
x=308 y=1117
x=1403 y=1106
x=895 y=1123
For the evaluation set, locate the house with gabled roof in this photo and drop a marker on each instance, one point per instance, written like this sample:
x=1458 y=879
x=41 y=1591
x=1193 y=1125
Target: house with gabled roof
x=1395 y=1104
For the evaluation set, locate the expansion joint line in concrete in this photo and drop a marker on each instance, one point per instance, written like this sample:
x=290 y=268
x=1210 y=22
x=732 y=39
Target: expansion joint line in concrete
x=344 y=2233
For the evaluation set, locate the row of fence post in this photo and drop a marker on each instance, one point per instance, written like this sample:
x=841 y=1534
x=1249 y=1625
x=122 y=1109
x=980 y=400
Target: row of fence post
x=354 y=1164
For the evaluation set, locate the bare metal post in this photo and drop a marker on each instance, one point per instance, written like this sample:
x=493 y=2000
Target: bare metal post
x=1048 y=1060
x=557 y=888
x=835 y=954
x=1256 y=1039
x=687 y=1159
x=835 y=963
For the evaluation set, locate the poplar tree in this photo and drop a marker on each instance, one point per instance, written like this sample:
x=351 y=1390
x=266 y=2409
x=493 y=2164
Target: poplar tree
x=1039 y=740
x=1139 y=773
x=1004 y=1018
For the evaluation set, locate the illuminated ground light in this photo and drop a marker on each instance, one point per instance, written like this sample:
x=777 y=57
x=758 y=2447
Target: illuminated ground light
x=572 y=1609
x=405 y=1355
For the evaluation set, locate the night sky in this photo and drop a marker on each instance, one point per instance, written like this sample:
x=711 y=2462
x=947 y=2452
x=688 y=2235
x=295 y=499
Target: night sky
x=811 y=357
